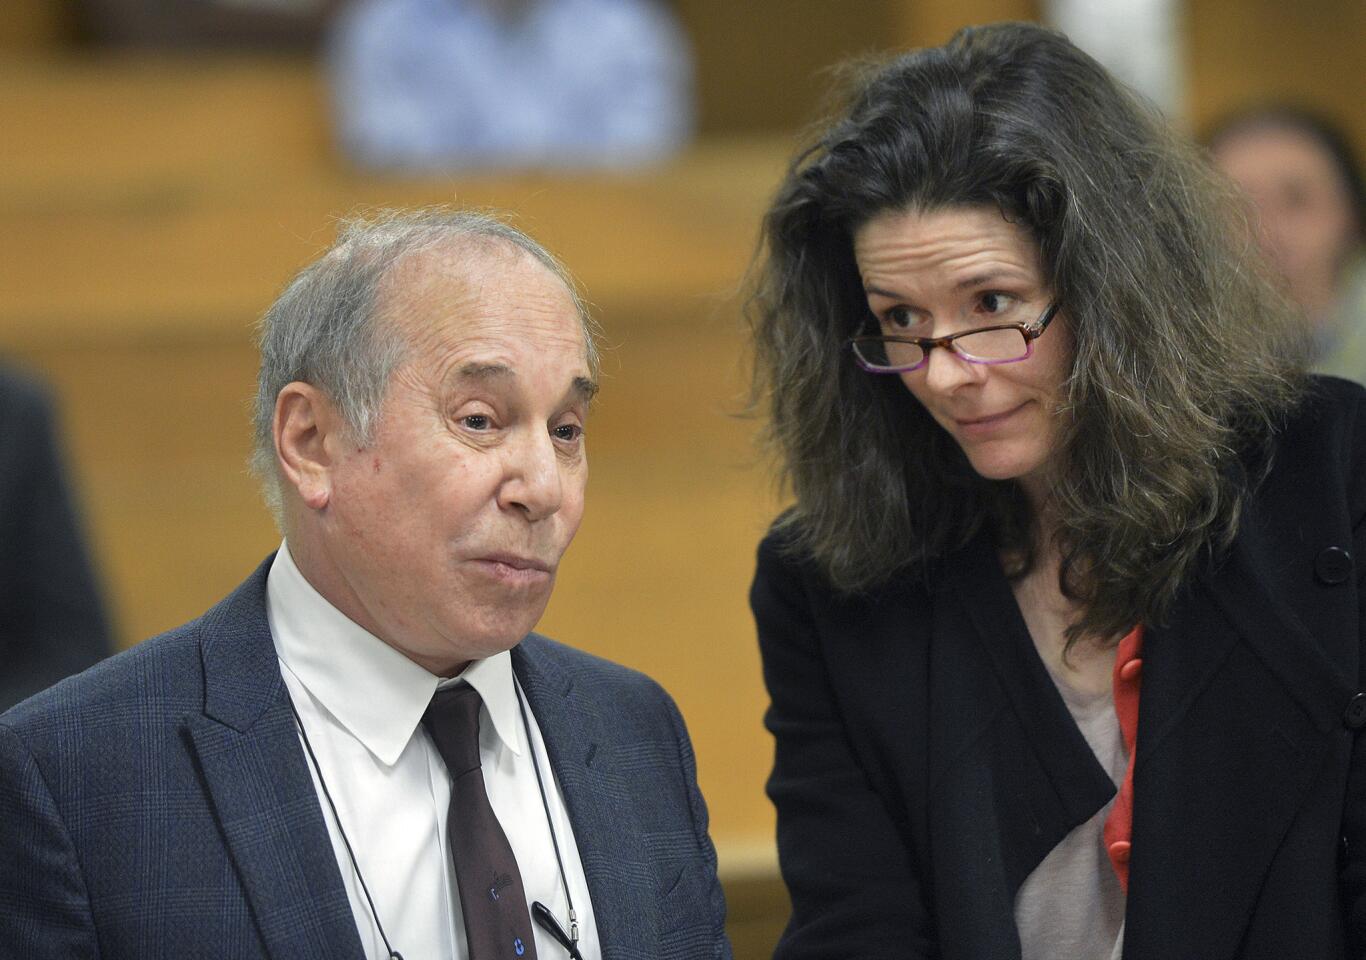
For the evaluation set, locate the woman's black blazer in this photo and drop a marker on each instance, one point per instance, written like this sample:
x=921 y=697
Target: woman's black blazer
x=925 y=762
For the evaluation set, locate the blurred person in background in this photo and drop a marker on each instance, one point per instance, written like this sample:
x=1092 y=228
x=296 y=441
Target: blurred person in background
x=52 y=620
x=1304 y=180
x=1063 y=632
x=434 y=84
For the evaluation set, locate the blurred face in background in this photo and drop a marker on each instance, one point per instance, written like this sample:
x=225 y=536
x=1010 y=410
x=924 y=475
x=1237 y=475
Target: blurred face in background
x=1304 y=211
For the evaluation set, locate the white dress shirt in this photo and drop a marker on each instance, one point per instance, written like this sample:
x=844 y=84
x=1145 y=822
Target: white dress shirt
x=361 y=704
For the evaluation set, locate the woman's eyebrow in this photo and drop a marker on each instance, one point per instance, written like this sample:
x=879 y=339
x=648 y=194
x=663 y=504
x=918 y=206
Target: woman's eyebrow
x=879 y=292
x=987 y=278
x=975 y=280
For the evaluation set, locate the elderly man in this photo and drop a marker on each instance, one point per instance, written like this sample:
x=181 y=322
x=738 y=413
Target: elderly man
x=362 y=752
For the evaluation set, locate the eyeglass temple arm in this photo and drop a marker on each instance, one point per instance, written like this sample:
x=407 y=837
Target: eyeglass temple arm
x=1041 y=324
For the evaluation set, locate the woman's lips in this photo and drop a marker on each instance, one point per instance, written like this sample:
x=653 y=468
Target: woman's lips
x=974 y=427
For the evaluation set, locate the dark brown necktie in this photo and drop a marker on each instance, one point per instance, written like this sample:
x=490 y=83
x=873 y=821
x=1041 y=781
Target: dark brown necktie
x=497 y=924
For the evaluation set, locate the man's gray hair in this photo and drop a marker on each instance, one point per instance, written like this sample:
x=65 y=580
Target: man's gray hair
x=324 y=329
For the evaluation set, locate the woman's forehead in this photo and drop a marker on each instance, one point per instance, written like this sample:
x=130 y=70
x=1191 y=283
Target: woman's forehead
x=953 y=243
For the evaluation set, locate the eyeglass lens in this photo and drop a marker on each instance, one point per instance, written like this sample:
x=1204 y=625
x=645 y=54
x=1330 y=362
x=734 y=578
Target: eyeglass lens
x=984 y=346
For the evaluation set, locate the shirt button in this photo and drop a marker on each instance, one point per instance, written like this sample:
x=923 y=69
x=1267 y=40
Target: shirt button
x=1333 y=566
x=1131 y=670
x=1119 y=851
x=1354 y=717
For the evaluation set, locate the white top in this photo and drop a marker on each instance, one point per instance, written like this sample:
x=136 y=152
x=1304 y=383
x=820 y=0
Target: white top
x=361 y=703
x=1072 y=905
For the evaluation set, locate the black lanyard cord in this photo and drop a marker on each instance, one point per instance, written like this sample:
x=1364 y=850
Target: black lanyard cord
x=393 y=954
x=549 y=821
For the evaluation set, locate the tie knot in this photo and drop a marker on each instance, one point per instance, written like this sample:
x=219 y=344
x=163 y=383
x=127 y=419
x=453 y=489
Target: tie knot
x=452 y=720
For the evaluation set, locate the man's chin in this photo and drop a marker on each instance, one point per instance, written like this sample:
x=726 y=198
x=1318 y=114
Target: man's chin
x=501 y=634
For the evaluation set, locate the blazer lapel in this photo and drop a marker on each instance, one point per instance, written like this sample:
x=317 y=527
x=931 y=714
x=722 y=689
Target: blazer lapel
x=583 y=739
x=259 y=785
x=1011 y=775
x=1078 y=784
x=1236 y=700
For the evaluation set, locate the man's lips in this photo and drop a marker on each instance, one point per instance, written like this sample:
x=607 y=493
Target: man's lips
x=518 y=562
x=515 y=569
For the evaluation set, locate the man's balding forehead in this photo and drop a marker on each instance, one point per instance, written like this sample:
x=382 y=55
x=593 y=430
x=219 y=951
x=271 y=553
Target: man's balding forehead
x=463 y=257
x=460 y=261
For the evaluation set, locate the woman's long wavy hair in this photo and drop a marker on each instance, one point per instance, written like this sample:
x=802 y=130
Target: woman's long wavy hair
x=1186 y=358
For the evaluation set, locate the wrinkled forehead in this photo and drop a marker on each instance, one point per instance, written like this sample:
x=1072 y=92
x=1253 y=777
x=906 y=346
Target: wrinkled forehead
x=478 y=287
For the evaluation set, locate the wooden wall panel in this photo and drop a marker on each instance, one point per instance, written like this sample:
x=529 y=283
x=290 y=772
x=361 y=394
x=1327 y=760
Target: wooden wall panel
x=767 y=66
x=925 y=24
x=1251 y=50
x=35 y=25
x=764 y=66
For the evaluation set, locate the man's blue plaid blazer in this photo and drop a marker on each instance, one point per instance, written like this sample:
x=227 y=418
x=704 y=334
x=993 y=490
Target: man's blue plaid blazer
x=159 y=805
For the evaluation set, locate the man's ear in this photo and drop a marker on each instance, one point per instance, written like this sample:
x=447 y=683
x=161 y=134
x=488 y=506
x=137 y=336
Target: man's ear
x=305 y=420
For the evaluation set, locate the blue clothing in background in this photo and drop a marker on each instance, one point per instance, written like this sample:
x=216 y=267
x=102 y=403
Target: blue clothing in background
x=432 y=84
x=52 y=617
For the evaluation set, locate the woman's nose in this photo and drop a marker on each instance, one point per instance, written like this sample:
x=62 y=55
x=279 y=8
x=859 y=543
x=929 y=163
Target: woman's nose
x=946 y=370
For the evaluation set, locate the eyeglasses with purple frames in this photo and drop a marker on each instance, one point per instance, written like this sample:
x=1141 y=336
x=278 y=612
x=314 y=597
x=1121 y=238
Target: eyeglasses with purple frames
x=1004 y=343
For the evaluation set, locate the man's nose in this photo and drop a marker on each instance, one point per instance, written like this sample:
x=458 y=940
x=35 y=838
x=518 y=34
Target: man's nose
x=945 y=370
x=532 y=483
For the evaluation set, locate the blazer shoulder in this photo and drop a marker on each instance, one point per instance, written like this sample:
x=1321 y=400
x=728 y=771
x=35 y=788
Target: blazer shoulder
x=1323 y=439
x=550 y=658
x=162 y=674
x=1330 y=405
x=779 y=545
x=780 y=561
x=1334 y=389
x=162 y=667
x=787 y=575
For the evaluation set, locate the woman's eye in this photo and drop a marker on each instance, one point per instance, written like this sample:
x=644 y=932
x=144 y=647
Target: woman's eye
x=476 y=421
x=996 y=302
x=898 y=317
x=568 y=432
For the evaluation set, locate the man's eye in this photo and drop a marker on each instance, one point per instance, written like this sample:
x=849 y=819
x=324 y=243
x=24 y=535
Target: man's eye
x=476 y=421
x=568 y=432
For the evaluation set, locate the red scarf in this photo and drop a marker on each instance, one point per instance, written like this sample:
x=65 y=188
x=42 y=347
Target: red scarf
x=1119 y=824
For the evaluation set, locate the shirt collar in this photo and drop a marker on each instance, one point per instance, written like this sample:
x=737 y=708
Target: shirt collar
x=494 y=680
x=371 y=689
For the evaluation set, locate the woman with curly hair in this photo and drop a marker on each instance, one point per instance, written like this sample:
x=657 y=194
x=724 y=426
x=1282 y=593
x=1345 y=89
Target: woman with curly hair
x=1062 y=632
